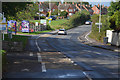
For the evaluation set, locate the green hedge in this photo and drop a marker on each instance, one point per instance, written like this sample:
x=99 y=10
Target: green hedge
x=79 y=18
x=95 y=30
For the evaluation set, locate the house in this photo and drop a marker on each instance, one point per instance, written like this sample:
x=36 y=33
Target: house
x=84 y=7
x=53 y=7
x=96 y=9
x=70 y=8
x=43 y=8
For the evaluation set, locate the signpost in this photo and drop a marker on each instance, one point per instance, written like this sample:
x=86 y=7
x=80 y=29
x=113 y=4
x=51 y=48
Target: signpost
x=43 y=21
x=25 y=26
x=3 y=25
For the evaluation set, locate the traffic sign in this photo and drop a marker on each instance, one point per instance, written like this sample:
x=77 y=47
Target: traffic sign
x=98 y=23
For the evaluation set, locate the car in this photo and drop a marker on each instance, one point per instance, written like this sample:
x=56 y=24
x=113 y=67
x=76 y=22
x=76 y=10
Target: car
x=62 y=31
x=52 y=17
x=88 y=22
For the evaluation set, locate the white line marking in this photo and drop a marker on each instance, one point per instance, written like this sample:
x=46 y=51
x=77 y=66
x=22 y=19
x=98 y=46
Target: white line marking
x=87 y=76
x=31 y=54
x=97 y=52
x=40 y=58
x=87 y=35
x=72 y=61
x=43 y=67
x=37 y=45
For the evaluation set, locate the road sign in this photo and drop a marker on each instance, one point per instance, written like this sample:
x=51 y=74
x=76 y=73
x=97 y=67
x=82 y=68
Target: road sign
x=3 y=24
x=43 y=21
x=36 y=23
x=98 y=23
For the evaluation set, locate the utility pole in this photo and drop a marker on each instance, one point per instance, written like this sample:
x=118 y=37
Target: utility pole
x=39 y=15
x=81 y=6
x=100 y=17
x=50 y=6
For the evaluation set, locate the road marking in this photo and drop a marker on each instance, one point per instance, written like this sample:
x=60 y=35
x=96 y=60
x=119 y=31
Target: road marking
x=31 y=54
x=43 y=67
x=97 y=52
x=39 y=57
x=72 y=61
x=87 y=76
x=37 y=45
x=87 y=35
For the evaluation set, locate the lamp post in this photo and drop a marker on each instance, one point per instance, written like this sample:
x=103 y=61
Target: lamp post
x=81 y=6
x=100 y=17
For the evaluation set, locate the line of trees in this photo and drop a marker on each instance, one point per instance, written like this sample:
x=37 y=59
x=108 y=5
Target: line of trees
x=114 y=13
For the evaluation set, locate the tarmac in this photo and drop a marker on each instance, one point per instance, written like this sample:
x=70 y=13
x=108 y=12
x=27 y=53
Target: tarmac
x=85 y=39
x=88 y=41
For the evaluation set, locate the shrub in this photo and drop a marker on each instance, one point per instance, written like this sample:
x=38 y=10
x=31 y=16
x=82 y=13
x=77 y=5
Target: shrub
x=79 y=18
x=95 y=30
x=64 y=13
x=115 y=21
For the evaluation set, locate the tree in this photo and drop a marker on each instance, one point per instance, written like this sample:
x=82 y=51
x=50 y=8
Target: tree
x=29 y=13
x=11 y=8
x=64 y=13
x=114 y=6
x=115 y=21
x=55 y=12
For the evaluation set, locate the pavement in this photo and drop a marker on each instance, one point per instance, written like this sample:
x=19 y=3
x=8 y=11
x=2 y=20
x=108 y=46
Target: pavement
x=85 y=39
x=62 y=56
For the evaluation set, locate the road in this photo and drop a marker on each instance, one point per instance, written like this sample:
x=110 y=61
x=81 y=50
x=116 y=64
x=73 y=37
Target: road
x=63 y=56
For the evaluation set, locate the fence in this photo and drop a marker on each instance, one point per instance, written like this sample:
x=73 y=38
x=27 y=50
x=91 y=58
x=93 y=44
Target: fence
x=33 y=27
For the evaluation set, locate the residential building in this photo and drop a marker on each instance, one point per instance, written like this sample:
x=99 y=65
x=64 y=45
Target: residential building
x=70 y=8
x=96 y=9
x=84 y=7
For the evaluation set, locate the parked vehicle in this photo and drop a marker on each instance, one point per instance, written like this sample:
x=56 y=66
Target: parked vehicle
x=62 y=31
x=88 y=22
x=53 y=17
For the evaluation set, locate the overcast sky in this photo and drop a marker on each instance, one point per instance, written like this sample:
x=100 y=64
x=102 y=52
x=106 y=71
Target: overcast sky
x=82 y=0
x=93 y=2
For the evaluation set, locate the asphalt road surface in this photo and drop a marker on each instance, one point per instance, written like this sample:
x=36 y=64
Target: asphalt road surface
x=63 y=56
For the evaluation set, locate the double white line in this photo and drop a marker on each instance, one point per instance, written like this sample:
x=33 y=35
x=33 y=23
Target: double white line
x=39 y=56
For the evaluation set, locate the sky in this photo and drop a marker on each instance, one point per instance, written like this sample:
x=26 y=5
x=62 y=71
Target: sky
x=93 y=2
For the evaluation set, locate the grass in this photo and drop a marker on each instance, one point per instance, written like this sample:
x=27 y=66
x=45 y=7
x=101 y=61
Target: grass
x=17 y=38
x=34 y=20
x=57 y=24
x=35 y=33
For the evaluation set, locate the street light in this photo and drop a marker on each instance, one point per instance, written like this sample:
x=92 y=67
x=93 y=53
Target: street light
x=100 y=16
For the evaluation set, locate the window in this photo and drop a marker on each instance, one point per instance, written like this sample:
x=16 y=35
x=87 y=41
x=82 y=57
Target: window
x=74 y=9
x=53 y=9
x=70 y=10
x=70 y=14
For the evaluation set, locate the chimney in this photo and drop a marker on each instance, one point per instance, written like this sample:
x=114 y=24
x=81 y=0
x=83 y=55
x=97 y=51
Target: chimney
x=78 y=4
x=73 y=3
x=65 y=2
x=98 y=5
x=59 y=3
x=40 y=3
x=103 y=6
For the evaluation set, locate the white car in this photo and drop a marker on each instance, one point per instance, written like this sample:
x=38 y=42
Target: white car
x=88 y=22
x=62 y=31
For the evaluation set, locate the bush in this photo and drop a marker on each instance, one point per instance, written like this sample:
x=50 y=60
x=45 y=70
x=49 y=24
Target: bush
x=79 y=18
x=64 y=13
x=95 y=30
x=115 y=21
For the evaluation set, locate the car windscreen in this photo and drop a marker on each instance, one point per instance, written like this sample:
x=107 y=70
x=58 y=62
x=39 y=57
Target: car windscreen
x=61 y=30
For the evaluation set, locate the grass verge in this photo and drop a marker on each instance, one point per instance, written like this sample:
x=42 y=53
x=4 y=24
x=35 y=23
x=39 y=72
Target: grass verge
x=17 y=38
x=35 y=33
